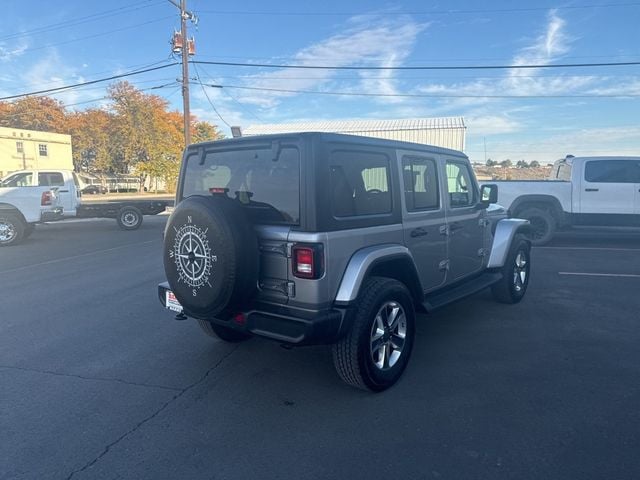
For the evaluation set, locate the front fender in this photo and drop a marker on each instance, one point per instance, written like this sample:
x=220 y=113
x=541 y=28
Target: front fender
x=505 y=232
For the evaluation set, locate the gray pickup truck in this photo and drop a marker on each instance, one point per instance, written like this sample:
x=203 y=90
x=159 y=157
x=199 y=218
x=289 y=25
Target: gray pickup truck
x=318 y=238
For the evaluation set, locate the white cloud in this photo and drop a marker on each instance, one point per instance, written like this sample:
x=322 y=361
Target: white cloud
x=491 y=124
x=368 y=41
x=9 y=53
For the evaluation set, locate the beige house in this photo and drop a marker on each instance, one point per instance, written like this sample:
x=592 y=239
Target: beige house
x=29 y=149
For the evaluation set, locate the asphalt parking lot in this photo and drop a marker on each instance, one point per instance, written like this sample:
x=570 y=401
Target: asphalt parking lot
x=98 y=381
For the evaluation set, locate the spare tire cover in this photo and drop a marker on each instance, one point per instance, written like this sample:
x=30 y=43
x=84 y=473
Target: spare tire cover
x=210 y=255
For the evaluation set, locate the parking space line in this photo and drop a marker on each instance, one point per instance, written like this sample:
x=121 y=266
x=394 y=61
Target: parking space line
x=585 y=274
x=613 y=249
x=88 y=254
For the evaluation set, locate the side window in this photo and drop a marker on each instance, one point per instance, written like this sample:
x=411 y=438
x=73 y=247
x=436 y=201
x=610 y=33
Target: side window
x=420 y=183
x=612 y=171
x=50 y=179
x=375 y=179
x=42 y=150
x=19 y=180
x=564 y=172
x=459 y=185
x=19 y=147
x=359 y=183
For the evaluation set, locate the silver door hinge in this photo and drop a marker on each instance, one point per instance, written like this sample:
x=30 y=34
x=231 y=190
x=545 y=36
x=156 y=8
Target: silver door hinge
x=444 y=229
x=444 y=265
x=483 y=252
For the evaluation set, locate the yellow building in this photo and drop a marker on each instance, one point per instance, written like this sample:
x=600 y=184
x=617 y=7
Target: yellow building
x=29 y=149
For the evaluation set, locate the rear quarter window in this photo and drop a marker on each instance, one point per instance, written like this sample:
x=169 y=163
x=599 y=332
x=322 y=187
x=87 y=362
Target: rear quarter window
x=359 y=183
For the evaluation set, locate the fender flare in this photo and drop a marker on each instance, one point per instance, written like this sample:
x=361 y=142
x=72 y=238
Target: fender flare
x=364 y=260
x=537 y=199
x=505 y=232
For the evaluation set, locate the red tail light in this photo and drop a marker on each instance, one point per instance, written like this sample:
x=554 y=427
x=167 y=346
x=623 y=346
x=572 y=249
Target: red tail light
x=308 y=261
x=46 y=199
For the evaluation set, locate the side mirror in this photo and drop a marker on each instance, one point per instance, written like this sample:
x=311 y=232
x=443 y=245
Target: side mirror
x=488 y=195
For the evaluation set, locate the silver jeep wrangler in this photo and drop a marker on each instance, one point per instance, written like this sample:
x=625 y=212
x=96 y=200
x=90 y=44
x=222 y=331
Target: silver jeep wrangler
x=318 y=238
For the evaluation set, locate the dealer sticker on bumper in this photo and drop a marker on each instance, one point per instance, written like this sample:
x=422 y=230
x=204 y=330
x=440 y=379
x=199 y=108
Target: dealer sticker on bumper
x=172 y=302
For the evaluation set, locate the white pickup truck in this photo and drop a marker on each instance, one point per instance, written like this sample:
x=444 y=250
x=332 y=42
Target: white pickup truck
x=67 y=198
x=581 y=191
x=22 y=205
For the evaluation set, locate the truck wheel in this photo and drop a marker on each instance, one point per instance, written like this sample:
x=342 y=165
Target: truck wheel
x=223 y=333
x=11 y=230
x=543 y=225
x=515 y=273
x=375 y=352
x=129 y=218
x=210 y=255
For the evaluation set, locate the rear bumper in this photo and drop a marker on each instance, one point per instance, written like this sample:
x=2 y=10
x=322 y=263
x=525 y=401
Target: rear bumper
x=52 y=215
x=282 y=323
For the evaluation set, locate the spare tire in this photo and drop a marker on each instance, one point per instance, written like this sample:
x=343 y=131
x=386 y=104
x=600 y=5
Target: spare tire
x=210 y=255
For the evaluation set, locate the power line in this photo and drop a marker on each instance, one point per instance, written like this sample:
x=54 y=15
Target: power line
x=80 y=20
x=422 y=67
x=90 y=82
x=414 y=95
x=204 y=90
x=416 y=13
x=95 y=35
x=422 y=77
x=94 y=100
x=235 y=100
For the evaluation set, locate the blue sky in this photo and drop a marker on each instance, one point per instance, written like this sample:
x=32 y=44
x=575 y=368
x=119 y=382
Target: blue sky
x=38 y=51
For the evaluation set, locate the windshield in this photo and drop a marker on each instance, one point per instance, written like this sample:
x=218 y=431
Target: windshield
x=260 y=179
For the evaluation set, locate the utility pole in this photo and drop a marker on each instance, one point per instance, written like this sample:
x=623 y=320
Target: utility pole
x=185 y=52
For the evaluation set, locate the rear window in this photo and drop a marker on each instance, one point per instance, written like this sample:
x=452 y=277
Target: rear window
x=50 y=179
x=266 y=181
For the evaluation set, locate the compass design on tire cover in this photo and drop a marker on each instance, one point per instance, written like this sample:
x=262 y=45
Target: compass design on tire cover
x=192 y=255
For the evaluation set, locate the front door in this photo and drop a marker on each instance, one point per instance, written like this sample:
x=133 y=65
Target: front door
x=424 y=219
x=465 y=222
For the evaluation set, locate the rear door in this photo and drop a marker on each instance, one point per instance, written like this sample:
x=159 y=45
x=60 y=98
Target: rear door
x=465 y=222
x=424 y=218
x=608 y=187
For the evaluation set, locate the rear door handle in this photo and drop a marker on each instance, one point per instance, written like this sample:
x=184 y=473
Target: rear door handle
x=455 y=226
x=64 y=191
x=418 y=232
x=591 y=189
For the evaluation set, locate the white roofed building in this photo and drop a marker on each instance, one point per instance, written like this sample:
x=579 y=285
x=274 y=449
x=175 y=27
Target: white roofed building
x=446 y=132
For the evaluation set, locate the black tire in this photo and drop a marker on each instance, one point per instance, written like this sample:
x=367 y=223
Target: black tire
x=210 y=255
x=12 y=229
x=515 y=273
x=543 y=225
x=28 y=230
x=353 y=355
x=223 y=333
x=129 y=218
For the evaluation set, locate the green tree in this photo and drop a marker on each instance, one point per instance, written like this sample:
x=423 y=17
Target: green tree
x=491 y=163
x=522 y=164
x=506 y=163
x=204 y=131
x=534 y=164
